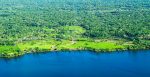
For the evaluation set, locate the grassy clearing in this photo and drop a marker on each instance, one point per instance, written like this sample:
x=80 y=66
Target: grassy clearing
x=91 y=45
x=51 y=45
x=70 y=45
x=9 y=51
x=36 y=44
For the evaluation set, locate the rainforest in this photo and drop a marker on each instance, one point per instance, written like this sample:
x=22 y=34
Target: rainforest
x=33 y=26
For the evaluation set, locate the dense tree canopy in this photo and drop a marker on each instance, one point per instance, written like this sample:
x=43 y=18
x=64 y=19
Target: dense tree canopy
x=23 y=20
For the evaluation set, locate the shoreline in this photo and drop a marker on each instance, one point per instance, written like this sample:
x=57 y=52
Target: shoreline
x=8 y=56
x=39 y=46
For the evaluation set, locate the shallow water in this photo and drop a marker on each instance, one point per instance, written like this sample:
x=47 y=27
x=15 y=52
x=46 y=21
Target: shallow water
x=78 y=64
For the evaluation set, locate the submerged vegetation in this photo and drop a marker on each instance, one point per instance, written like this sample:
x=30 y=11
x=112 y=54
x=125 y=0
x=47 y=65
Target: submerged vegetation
x=51 y=25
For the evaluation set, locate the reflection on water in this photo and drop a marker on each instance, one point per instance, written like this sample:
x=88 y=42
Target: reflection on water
x=78 y=64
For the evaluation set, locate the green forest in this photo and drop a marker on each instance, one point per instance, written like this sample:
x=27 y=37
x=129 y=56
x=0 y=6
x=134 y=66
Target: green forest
x=32 y=26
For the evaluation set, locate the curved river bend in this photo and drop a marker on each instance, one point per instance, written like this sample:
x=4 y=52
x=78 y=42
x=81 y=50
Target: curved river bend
x=78 y=64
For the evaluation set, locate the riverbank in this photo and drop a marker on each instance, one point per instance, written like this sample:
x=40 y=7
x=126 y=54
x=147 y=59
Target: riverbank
x=38 y=46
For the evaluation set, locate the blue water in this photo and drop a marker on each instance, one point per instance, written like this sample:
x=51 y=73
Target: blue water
x=78 y=64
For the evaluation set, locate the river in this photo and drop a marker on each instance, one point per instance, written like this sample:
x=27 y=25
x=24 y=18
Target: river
x=78 y=64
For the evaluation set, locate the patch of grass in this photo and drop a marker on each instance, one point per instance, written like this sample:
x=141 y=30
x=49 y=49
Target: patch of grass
x=40 y=44
x=91 y=45
x=50 y=45
x=72 y=29
x=9 y=49
x=70 y=45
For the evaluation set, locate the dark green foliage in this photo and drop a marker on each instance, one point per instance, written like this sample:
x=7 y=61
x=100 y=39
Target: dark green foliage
x=23 y=20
